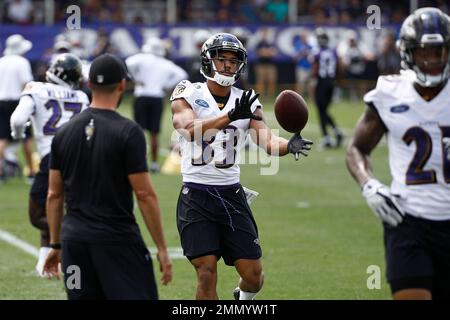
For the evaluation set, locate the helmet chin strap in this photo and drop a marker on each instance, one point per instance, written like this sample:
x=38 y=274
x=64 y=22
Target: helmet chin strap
x=222 y=80
x=428 y=80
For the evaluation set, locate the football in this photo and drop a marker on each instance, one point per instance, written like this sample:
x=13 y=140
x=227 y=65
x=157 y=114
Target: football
x=291 y=111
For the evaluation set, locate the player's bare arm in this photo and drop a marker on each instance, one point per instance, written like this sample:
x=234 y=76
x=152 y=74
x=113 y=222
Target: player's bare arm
x=380 y=200
x=55 y=211
x=148 y=204
x=275 y=145
x=314 y=69
x=186 y=123
x=368 y=134
x=264 y=137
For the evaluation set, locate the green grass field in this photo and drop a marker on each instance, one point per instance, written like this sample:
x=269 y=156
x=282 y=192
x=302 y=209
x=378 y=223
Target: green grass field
x=317 y=234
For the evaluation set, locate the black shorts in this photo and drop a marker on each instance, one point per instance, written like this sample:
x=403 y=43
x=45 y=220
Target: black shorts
x=148 y=112
x=7 y=108
x=114 y=272
x=39 y=189
x=216 y=220
x=418 y=256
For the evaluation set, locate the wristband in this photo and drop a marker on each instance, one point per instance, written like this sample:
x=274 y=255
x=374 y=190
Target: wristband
x=56 y=246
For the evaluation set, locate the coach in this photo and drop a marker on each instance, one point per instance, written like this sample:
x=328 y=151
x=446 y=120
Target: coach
x=97 y=160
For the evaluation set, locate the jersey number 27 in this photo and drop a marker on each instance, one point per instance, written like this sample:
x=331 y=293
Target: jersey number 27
x=50 y=127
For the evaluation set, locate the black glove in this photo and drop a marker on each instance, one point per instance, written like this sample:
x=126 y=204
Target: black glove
x=242 y=108
x=298 y=145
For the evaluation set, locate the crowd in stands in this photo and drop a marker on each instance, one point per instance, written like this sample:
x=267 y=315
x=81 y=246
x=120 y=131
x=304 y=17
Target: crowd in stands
x=330 y=12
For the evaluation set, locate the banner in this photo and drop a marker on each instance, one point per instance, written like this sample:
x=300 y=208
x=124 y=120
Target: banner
x=127 y=40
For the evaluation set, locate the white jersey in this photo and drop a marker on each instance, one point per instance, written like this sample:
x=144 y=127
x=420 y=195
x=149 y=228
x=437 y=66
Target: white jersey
x=15 y=72
x=215 y=161
x=152 y=74
x=52 y=106
x=418 y=136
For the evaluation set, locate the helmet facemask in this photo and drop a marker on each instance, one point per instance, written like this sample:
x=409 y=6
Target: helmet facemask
x=420 y=64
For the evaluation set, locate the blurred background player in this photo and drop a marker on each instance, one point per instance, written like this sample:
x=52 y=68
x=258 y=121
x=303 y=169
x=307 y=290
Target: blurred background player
x=325 y=68
x=354 y=62
x=266 y=72
x=152 y=75
x=243 y=81
x=213 y=217
x=414 y=109
x=303 y=65
x=15 y=72
x=49 y=105
x=388 y=61
x=194 y=63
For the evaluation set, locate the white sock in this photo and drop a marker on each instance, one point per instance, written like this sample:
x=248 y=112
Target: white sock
x=43 y=252
x=245 y=295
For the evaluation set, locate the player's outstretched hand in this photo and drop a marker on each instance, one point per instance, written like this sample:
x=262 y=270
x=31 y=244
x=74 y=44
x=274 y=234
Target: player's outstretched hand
x=165 y=266
x=242 y=107
x=297 y=145
x=382 y=202
x=51 y=265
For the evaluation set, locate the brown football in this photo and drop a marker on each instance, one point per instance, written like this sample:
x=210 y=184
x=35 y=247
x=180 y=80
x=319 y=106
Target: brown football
x=291 y=111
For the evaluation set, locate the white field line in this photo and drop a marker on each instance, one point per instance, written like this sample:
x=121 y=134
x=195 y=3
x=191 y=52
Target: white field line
x=174 y=252
x=18 y=243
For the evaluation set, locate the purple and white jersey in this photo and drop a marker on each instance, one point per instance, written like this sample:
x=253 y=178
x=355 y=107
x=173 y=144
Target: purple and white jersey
x=326 y=59
x=418 y=138
x=54 y=105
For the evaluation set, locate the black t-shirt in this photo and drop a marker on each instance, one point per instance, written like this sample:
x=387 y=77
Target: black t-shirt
x=95 y=152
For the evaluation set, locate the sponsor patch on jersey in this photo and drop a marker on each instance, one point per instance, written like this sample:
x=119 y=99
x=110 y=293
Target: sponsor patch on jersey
x=399 y=109
x=202 y=103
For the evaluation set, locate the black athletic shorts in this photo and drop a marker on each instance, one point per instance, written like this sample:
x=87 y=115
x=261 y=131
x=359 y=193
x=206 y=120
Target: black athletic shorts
x=418 y=255
x=7 y=108
x=108 y=271
x=39 y=189
x=216 y=220
x=148 y=112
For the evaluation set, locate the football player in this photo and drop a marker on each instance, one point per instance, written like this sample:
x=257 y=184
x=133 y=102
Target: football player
x=152 y=74
x=213 y=217
x=15 y=72
x=325 y=68
x=49 y=105
x=412 y=109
